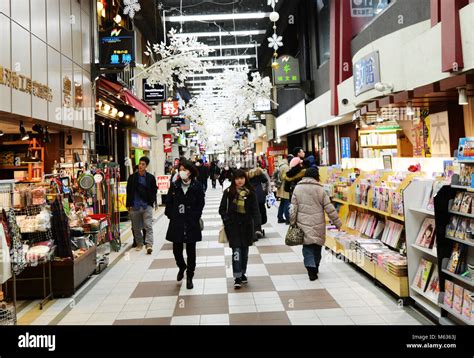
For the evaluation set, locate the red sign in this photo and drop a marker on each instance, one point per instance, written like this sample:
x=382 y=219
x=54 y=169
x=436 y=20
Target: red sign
x=276 y=151
x=170 y=109
x=167 y=143
x=163 y=183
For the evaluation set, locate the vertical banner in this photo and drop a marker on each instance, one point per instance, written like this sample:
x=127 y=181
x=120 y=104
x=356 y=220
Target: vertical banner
x=345 y=147
x=122 y=196
x=439 y=134
x=167 y=143
x=163 y=182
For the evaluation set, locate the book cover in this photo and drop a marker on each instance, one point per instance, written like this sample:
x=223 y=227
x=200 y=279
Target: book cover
x=466 y=203
x=452 y=226
x=467 y=304
x=448 y=293
x=455 y=259
x=462 y=228
x=422 y=279
x=458 y=199
x=457 y=298
x=437 y=185
x=426 y=233
x=432 y=290
x=379 y=230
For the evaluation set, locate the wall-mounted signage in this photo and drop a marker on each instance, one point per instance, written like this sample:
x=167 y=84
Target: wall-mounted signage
x=292 y=120
x=262 y=105
x=345 y=147
x=287 y=71
x=153 y=94
x=177 y=121
x=366 y=73
x=25 y=84
x=141 y=141
x=170 y=109
x=163 y=182
x=167 y=143
x=117 y=47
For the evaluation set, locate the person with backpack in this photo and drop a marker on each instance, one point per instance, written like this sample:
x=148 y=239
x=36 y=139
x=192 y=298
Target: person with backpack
x=241 y=217
x=309 y=203
x=284 y=208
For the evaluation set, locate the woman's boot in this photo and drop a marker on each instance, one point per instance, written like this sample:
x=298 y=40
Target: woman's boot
x=312 y=273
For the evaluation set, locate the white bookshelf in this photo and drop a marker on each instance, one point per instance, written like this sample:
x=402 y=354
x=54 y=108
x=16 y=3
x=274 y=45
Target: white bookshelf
x=414 y=201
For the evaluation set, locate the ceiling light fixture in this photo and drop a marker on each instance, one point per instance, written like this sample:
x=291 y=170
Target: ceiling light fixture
x=37 y=128
x=223 y=33
x=463 y=101
x=120 y=114
x=24 y=135
x=219 y=17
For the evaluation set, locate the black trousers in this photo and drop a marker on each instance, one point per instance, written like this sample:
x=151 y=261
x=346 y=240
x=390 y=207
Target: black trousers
x=263 y=213
x=191 y=255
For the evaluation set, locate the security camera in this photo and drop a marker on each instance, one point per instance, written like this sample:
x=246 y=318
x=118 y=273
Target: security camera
x=345 y=101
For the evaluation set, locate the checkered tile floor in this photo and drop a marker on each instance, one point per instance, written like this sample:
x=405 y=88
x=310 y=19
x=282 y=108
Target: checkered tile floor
x=142 y=289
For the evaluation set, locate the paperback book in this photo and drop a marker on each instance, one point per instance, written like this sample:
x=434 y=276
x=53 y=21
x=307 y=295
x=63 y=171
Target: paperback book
x=426 y=234
x=432 y=290
x=467 y=304
x=457 y=298
x=448 y=293
x=423 y=274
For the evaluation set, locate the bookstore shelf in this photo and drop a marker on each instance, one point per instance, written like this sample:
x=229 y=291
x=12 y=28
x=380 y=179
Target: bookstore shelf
x=423 y=211
x=471 y=216
x=467 y=281
x=457 y=315
x=466 y=161
x=384 y=213
x=336 y=200
x=421 y=302
x=430 y=252
x=379 y=146
x=465 y=242
x=423 y=294
x=463 y=187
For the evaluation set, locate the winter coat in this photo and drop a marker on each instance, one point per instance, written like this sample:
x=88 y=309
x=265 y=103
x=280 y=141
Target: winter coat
x=184 y=212
x=225 y=174
x=240 y=228
x=203 y=173
x=150 y=190
x=308 y=205
x=292 y=178
x=257 y=179
x=214 y=172
x=283 y=169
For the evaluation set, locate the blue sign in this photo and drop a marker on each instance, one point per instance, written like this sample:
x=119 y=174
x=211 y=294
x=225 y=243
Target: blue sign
x=366 y=73
x=346 y=147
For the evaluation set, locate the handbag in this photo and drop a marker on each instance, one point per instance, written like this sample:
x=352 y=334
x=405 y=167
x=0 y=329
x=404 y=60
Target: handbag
x=201 y=224
x=223 y=236
x=294 y=236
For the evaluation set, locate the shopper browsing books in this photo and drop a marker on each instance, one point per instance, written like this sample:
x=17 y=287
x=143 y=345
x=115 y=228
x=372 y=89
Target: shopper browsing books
x=308 y=205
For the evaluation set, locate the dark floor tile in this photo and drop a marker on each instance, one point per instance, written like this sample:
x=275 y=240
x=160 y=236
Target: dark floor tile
x=164 y=321
x=255 y=259
x=167 y=247
x=255 y=284
x=307 y=299
x=156 y=289
x=210 y=252
x=201 y=305
x=293 y=268
x=162 y=264
x=210 y=272
x=128 y=322
x=263 y=318
x=274 y=249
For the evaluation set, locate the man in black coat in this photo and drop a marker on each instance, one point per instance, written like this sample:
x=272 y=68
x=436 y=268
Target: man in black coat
x=203 y=175
x=141 y=198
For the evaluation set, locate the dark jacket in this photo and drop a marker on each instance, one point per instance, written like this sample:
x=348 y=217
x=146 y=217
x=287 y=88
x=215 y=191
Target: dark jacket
x=184 y=212
x=225 y=174
x=257 y=178
x=240 y=228
x=203 y=173
x=215 y=171
x=148 y=193
x=293 y=177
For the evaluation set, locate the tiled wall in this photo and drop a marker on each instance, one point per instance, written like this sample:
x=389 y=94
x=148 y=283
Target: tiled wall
x=47 y=40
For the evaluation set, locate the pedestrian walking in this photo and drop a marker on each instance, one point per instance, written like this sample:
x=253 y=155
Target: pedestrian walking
x=308 y=205
x=203 y=174
x=241 y=218
x=284 y=208
x=260 y=183
x=141 y=199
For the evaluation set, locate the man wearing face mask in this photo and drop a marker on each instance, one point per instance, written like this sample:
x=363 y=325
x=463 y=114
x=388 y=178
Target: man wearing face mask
x=141 y=198
x=184 y=205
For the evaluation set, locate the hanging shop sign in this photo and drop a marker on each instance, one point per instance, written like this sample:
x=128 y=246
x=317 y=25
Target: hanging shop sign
x=141 y=141
x=292 y=120
x=262 y=105
x=153 y=94
x=177 y=121
x=182 y=141
x=439 y=130
x=163 y=182
x=276 y=151
x=167 y=143
x=362 y=8
x=345 y=147
x=25 y=84
x=139 y=153
x=170 y=109
x=287 y=71
x=117 y=47
x=366 y=73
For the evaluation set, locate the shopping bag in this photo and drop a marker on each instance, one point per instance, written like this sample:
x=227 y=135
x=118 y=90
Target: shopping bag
x=294 y=236
x=223 y=236
x=271 y=200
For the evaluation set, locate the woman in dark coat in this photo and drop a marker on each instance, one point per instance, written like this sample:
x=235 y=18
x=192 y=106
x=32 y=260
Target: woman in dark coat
x=226 y=173
x=258 y=180
x=184 y=205
x=241 y=217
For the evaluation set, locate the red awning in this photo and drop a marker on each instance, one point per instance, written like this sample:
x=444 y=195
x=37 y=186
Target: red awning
x=125 y=95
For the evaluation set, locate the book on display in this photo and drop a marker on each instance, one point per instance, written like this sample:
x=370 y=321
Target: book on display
x=423 y=274
x=426 y=234
x=452 y=226
x=432 y=290
x=457 y=202
x=467 y=304
x=448 y=293
x=466 y=203
x=457 y=298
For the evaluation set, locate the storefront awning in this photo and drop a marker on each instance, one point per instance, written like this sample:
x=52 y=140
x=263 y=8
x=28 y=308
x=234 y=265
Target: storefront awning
x=125 y=95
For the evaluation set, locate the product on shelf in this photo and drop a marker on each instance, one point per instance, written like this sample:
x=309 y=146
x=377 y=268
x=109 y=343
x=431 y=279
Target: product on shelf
x=423 y=274
x=452 y=226
x=466 y=174
x=457 y=298
x=466 y=203
x=437 y=185
x=462 y=228
x=467 y=304
x=457 y=201
x=448 y=293
x=392 y=235
x=426 y=234
x=456 y=260
x=432 y=290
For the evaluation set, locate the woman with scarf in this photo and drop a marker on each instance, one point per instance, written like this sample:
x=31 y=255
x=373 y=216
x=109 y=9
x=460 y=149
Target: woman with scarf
x=240 y=214
x=184 y=205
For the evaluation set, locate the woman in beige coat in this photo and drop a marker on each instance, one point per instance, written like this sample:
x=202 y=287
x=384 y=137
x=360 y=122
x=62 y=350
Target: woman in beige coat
x=308 y=205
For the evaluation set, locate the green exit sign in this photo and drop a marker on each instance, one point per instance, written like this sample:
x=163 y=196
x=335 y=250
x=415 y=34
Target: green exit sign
x=287 y=71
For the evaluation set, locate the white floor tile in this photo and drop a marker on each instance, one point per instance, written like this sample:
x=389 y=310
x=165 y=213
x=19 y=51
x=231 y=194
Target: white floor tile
x=186 y=320
x=337 y=321
x=217 y=319
x=270 y=308
x=160 y=313
x=330 y=312
x=368 y=319
x=302 y=315
x=359 y=311
x=104 y=316
x=131 y=315
x=243 y=309
x=306 y=322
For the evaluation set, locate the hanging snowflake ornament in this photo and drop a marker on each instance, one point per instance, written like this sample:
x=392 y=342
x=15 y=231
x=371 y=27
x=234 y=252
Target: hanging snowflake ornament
x=131 y=7
x=275 y=42
x=272 y=3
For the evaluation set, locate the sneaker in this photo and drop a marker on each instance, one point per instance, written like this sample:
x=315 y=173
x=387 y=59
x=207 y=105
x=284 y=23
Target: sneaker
x=237 y=283
x=149 y=249
x=139 y=248
x=244 y=279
